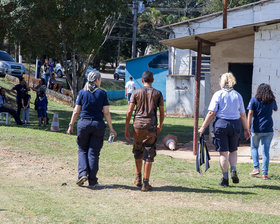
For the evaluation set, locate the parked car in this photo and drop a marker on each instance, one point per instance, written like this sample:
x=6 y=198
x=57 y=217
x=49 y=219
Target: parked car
x=9 y=66
x=120 y=72
x=59 y=71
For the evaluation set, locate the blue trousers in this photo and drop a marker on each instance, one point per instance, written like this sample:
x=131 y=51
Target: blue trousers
x=265 y=140
x=90 y=137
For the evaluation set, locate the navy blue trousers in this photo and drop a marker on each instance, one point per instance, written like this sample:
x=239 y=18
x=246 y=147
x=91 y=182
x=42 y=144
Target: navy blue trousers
x=90 y=137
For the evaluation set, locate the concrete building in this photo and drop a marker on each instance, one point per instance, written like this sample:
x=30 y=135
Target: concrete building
x=251 y=51
x=180 y=84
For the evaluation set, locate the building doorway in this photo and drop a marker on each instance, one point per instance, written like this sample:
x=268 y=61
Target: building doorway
x=243 y=73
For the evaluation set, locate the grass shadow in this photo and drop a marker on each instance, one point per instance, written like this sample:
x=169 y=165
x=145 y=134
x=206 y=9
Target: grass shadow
x=182 y=189
x=3 y=210
x=270 y=187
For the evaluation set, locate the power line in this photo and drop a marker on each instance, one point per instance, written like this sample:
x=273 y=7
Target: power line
x=130 y=39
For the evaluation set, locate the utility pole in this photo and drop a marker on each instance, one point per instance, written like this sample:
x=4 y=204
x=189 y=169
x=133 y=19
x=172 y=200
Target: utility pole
x=224 y=14
x=135 y=12
x=119 y=52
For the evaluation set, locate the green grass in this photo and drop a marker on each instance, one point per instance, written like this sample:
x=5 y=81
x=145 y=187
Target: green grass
x=112 y=85
x=39 y=169
x=32 y=67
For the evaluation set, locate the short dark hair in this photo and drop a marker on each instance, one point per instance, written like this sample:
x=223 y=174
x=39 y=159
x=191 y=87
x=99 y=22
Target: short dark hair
x=265 y=94
x=130 y=78
x=148 y=76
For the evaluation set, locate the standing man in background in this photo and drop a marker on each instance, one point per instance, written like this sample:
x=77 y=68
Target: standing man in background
x=145 y=127
x=20 y=89
x=129 y=89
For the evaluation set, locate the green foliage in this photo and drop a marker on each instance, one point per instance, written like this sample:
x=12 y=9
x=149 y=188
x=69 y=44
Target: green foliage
x=217 y=5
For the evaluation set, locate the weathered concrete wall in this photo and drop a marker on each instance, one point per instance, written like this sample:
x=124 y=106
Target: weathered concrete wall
x=255 y=13
x=232 y=51
x=180 y=98
x=267 y=70
x=181 y=60
x=265 y=11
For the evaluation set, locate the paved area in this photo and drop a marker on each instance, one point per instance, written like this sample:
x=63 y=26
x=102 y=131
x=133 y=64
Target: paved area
x=184 y=151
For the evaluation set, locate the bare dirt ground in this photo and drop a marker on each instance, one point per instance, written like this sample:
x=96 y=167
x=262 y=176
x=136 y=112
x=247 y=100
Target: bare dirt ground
x=185 y=151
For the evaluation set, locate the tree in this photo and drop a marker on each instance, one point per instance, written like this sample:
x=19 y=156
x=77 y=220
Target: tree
x=6 y=7
x=67 y=29
x=211 y=6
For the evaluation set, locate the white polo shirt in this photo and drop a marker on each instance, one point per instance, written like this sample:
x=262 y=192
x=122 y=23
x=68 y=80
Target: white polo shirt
x=229 y=105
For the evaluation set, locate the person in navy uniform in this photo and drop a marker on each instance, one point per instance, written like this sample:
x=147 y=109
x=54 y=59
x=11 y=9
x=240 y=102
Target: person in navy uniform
x=228 y=108
x=92 y=105
x=20 y=89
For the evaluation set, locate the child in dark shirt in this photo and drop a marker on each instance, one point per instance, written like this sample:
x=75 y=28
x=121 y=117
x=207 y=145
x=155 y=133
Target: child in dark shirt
x=26 y=107
x=42 y=108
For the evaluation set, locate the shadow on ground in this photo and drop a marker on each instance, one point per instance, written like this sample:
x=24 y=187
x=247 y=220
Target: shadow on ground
x=173 y=189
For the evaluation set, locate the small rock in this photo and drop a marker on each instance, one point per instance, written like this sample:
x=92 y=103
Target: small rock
x=63 y=184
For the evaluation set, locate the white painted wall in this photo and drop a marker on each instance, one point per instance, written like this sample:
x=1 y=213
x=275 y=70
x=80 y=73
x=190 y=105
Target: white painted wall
x=179 y=59
x=260 y=12
x=265 y=11
x=267 y=70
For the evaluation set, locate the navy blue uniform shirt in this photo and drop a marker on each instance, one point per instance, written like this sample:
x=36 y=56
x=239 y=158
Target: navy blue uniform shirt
x=262 y=117
x=20 y=90
x=92 y=103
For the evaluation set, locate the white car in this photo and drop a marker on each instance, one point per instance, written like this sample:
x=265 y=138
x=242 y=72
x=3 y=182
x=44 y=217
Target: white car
x=59 y=71
x=9 y=66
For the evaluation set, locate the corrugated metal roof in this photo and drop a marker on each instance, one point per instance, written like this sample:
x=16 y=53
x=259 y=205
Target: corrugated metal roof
x=190 y=42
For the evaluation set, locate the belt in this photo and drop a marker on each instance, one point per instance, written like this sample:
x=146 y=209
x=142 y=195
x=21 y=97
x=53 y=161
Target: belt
x=91 y=119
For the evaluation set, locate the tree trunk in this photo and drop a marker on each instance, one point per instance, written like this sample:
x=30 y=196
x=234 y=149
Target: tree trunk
x=74 y=78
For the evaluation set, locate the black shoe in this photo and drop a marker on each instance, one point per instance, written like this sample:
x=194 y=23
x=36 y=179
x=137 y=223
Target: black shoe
x=224 y=182
x=80 y=182
x=234 y=177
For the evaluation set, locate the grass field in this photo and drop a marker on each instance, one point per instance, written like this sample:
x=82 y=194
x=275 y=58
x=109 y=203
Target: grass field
x=39 y=170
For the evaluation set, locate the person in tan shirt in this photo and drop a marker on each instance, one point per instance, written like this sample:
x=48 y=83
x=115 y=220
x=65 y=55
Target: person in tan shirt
x=146 y=128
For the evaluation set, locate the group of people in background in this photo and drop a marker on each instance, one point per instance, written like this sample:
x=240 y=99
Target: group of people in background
x=23 y=102
x=49 y=75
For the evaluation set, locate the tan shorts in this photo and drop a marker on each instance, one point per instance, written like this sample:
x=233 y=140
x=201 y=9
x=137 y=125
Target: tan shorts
x=144 y=144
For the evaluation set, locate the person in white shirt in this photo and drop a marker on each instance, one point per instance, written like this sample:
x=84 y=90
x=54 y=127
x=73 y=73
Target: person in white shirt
x=129 y=88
